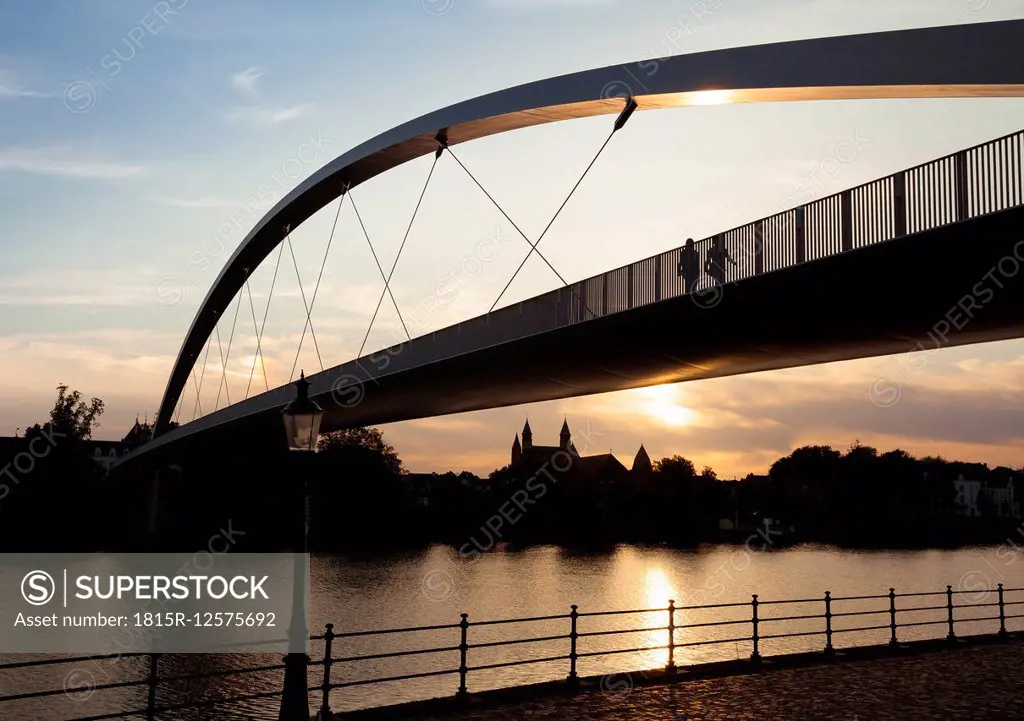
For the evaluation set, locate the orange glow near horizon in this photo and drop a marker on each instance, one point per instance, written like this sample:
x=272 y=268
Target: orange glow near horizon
x=660 y=403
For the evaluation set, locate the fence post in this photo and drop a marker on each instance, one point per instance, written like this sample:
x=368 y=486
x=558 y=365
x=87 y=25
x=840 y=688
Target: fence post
x=325 y=689
x=671 y=667
x=463 y=652
x=1002 y=612
x=892 y=617
x=829 y=650
x=573 y=615
x=755 y=657
x=152 y=681
x=949 y=608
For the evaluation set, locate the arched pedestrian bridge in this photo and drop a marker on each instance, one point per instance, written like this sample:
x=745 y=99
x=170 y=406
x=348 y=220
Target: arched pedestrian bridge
x=926 y=257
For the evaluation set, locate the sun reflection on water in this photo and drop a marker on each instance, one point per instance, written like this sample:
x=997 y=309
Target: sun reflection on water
x=657 y=591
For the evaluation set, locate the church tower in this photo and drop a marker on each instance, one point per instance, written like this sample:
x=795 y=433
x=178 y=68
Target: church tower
x=642 y=462
x=527 y=436
x=565 y=437
x=517 y=450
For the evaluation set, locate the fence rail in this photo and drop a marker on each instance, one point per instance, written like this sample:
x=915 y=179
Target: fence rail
x=894 y=611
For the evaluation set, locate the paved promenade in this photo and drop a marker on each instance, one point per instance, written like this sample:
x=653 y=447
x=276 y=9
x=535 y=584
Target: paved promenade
x=981 y=682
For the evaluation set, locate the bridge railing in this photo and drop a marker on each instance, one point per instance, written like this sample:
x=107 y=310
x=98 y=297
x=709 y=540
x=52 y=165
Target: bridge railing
x=675 y=635
x=983 y=179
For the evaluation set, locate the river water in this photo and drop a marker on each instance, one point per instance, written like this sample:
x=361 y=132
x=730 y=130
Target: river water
x=432 y=587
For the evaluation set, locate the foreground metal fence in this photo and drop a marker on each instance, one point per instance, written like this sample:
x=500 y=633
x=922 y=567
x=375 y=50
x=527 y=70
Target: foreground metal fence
x=755 y=622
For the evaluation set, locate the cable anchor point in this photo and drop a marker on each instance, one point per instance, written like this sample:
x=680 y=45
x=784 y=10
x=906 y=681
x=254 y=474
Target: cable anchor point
x=626 y=113
x=442 y=142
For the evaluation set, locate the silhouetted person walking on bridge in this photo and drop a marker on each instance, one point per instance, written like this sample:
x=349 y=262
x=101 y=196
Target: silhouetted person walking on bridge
x=689 y=266
x=718 y=256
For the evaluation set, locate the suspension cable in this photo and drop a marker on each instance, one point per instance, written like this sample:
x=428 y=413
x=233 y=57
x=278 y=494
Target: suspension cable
x=256 y=327
x=376 y=260
x=305 y=305
x=387 y=281
x=316 y=288
x=196 y=383
x=259 y=331
x=555 y=217
x=224 y=360
x=533 y=246
x=202 y=376
x=502 y=211
x=181 y=403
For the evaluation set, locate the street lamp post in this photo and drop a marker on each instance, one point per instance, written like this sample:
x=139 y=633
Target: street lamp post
x=302 y=426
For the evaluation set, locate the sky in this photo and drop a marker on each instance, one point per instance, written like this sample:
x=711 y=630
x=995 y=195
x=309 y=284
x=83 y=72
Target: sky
x=134 y=136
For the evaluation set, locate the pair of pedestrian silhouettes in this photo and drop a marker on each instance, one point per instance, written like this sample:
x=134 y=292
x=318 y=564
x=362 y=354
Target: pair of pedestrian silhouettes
x=714 y=264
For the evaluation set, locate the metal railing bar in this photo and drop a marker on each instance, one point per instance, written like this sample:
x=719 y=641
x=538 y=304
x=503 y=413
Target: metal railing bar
x=410 y=629
x=624 y=630
x=496 y=621
x=717 y=623
x=886 y=627
x=737 y=604
x=638 y=610
x=523 y=662
x=816 y=632
x=538 y=639
x=922 y=623
x=118 y=714
x=761 y=619
x=782 y=600
x=425 y=674
x=922 y=593
x=863 y=613
x=624 y=650
x=75 y=659
x=393 y=654
x=884 y=596
x=709 y=642
x=924 y=608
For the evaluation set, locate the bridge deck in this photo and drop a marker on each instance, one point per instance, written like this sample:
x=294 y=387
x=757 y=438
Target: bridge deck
x=868 y=271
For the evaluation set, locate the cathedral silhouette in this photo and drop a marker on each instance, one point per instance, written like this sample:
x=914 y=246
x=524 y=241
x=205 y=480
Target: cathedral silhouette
x=526 y=454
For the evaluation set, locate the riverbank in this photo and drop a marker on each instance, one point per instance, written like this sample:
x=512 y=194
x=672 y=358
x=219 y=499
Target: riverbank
x=971 y=679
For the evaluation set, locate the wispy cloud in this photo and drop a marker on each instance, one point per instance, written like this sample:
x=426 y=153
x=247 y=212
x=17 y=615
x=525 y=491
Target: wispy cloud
x=194 y=203
x=10 y=88
x=60 y=161
x=52 y=287
x=269 y=116
x=246 y=80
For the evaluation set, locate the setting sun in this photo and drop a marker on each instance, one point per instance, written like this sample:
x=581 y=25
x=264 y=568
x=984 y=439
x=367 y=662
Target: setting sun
x=661 y=403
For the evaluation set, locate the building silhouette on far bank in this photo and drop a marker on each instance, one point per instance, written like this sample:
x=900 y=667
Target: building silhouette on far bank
x=526 y=454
